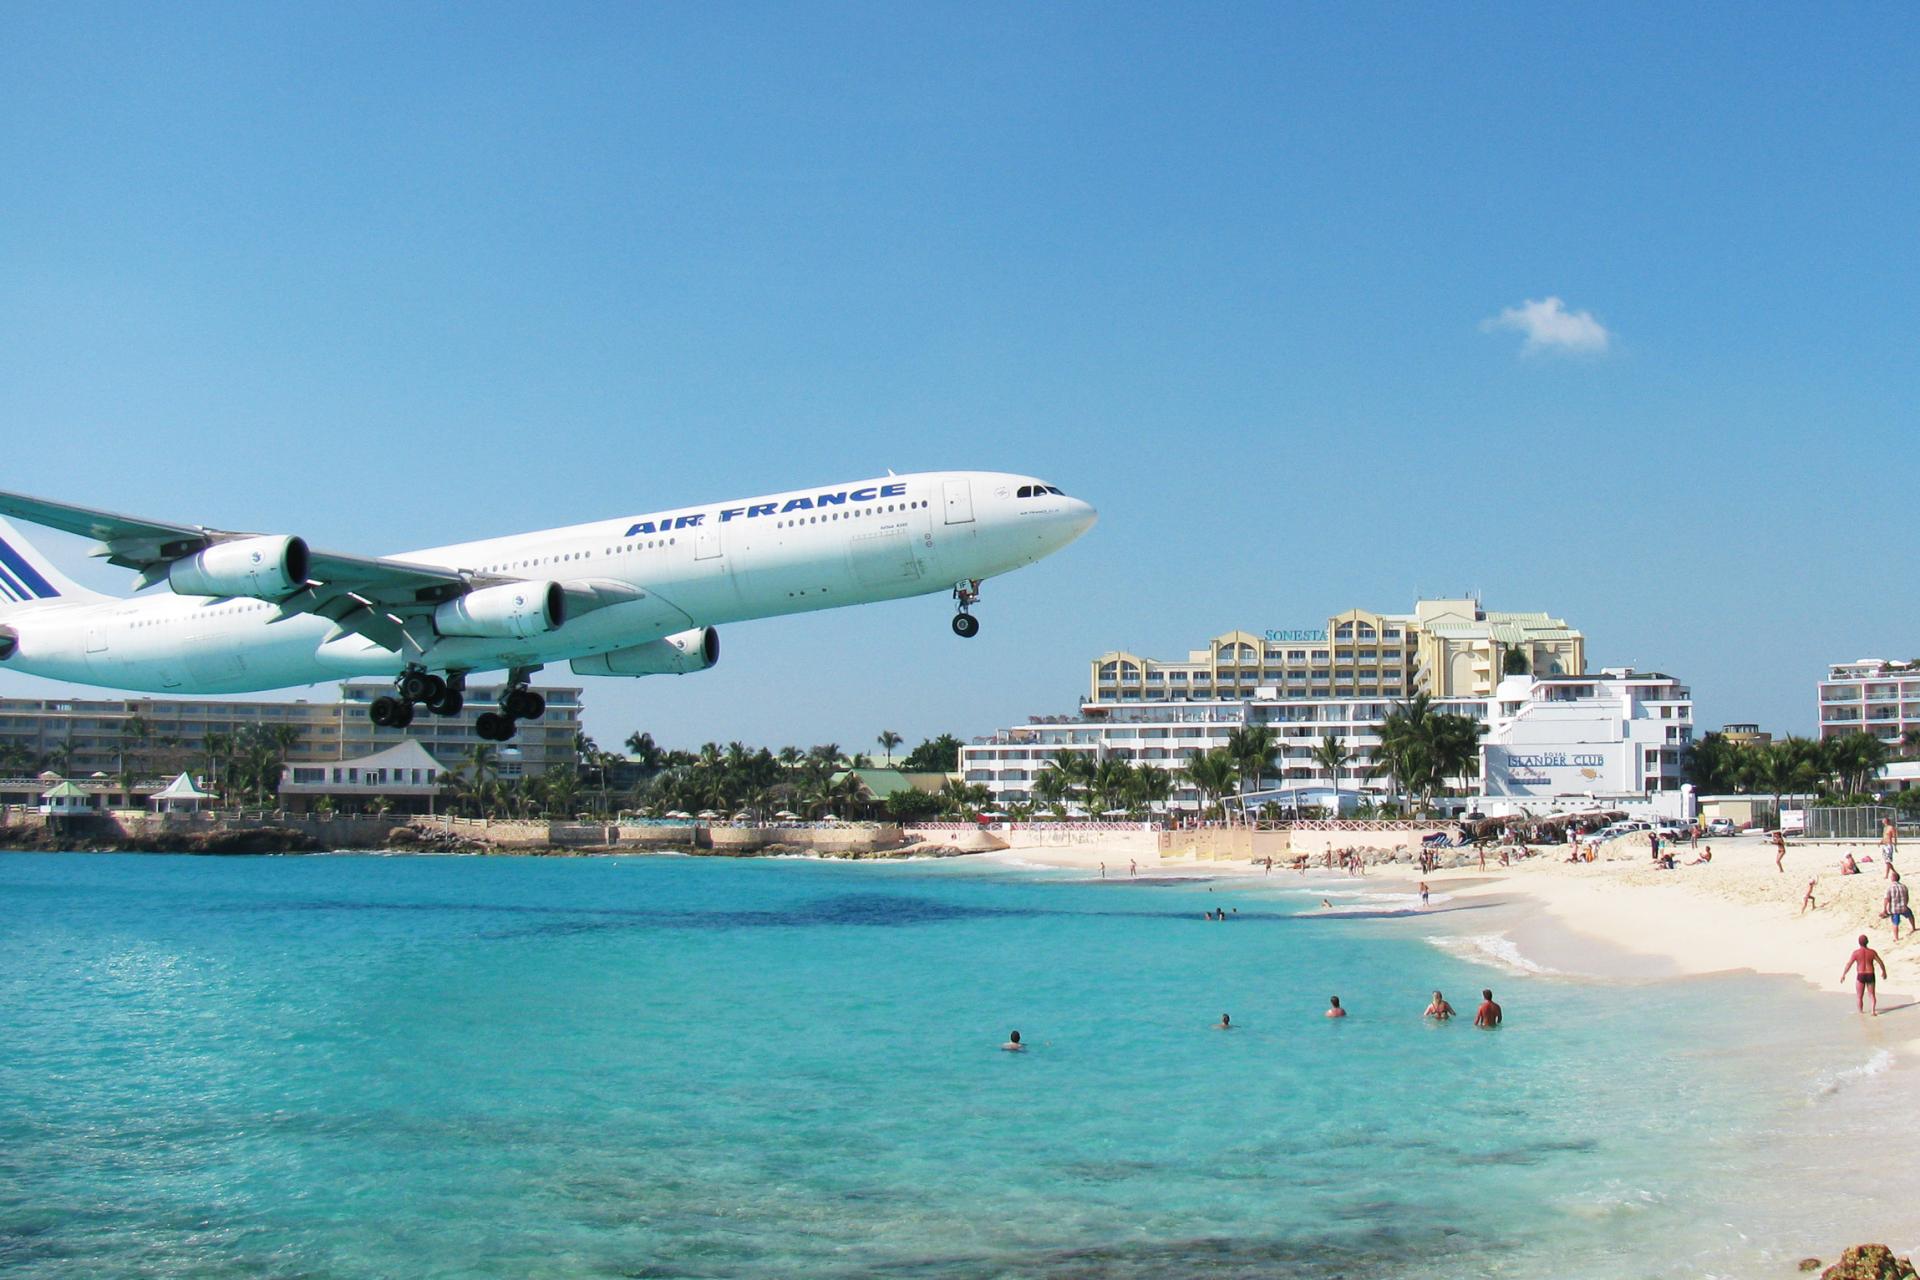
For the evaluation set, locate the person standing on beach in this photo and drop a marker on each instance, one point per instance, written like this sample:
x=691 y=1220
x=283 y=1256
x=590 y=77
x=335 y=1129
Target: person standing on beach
x=1333 y=1008
x=1488 y=1014
x=1861 y=965
x=1423 y=901
x=1896 y=906
x=1439 y=1010
x=1889 y=843
x=1103 y=871
x=1779 y=852
x=1133 y=867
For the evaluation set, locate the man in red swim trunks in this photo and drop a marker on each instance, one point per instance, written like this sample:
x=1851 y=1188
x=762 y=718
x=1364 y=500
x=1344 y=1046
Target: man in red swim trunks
x=1861 y=965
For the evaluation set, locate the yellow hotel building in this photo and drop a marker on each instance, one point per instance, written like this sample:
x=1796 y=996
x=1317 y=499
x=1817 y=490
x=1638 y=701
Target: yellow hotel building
x=1445 y=648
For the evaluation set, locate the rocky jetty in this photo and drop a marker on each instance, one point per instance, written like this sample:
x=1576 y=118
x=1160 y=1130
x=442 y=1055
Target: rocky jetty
x=229 y=840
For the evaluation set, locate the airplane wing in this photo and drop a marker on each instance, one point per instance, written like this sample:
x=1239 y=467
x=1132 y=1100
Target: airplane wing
x=371 y=596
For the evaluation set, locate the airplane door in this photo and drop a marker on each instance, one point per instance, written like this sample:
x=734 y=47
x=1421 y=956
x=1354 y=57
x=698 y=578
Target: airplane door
x=959 y=502
x=96 y=638
x=706 y=544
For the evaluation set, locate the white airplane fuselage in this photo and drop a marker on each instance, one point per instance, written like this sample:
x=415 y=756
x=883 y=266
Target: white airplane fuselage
x=793 y=552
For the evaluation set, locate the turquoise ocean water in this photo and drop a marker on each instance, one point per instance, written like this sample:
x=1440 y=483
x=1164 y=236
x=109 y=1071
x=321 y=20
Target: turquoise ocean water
x=371 y=1066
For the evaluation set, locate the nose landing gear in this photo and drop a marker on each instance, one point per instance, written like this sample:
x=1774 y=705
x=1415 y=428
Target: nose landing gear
x=966 y=593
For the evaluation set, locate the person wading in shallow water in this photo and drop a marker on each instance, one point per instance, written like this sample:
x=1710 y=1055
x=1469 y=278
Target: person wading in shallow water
x=1333 y=1008
x=1488 y=1014
x=1861 y=965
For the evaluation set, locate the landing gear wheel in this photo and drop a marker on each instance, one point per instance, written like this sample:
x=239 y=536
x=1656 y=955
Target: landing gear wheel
x=406 y=716
x=493 y=727
x=524 y=704
x=450 y=704
x=436 y=690
x=966 y=626
x=389 y=713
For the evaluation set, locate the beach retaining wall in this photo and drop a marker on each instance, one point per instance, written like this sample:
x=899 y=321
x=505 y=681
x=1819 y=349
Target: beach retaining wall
x=1316 y=840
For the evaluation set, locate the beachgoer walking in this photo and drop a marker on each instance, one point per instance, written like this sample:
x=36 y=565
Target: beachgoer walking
x=1103 y=871
x=1807 y=903
x=1013 y=1044
x=1333 y=1008
x=1779 y=852
x=1439 y=1010
x=1861 y=965
x=1488 y=1014
x=1423 y=893
x=1896 y=906
x=1133 y=866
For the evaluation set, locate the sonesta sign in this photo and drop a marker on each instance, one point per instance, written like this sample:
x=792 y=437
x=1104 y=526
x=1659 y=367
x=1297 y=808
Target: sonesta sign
x=1307 y=636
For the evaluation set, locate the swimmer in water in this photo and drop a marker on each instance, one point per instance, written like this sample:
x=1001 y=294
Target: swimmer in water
x=1225 y=1023
x=1488 y=1015
x=1439 y=1010
x=1013 y=1044
x=1333 y=1008
x=1326 y=904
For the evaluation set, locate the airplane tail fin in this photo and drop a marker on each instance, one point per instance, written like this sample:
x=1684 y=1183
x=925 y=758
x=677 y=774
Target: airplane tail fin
x=27 y=576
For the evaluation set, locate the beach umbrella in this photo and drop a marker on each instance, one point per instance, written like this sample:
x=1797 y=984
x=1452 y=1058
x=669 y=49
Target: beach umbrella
x=786 y=815
x=706 y=813
x=679 y=813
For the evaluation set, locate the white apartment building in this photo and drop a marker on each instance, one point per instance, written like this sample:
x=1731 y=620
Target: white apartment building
x=1873 y=696
x=1620 y=732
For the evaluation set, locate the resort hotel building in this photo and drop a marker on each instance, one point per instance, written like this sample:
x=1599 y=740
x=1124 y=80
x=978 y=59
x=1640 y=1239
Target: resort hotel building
x=1552 y=729
x=1871 y=696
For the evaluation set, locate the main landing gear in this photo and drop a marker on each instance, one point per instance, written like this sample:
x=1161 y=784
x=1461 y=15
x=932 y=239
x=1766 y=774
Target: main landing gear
x=442 y=695
x=967 y=593
x=517 y=702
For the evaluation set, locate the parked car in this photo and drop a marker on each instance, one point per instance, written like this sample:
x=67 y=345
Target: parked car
x=1722 y=827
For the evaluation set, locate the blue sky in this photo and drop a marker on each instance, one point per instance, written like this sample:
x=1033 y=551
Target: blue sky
x=389 y=276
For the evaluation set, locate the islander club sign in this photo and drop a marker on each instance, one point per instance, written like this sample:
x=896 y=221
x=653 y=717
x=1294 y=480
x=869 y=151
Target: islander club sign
x=1520 y=771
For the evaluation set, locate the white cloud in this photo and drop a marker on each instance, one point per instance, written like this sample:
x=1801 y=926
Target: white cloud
x=1549 y=326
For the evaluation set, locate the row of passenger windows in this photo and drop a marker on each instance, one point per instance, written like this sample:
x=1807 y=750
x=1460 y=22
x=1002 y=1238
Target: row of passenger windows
x=536 y=562
x=850 y=514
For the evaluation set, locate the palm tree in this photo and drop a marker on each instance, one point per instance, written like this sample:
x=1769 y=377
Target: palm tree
x=134 y=733
x=1255 y=751
x=1213 y=774
x=645 y=752
x=1784 y=766
x=1332 y=755
x=1151 y=786
x=888 y=740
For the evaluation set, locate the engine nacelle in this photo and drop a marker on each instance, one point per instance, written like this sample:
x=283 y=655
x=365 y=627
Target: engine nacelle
x=270 y=568
x=512 y=611
x=694 y=650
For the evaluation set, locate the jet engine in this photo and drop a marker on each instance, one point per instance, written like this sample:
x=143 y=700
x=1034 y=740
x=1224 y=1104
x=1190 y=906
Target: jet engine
x=513 y=611
x=9 y=642
x=268 y=568
x=694 y=650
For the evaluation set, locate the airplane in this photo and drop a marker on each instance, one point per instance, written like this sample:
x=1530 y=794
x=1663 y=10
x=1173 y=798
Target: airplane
x=640 y=595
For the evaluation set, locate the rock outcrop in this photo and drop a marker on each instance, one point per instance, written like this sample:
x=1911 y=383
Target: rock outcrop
x=1869 y=1262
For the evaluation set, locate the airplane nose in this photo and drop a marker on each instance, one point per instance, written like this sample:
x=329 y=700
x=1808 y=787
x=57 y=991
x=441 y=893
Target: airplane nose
x=1080 y=516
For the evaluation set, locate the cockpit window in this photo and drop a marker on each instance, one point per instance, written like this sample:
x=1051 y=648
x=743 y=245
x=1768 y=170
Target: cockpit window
x=1055 y=492
x=1025 y=491
x=1037 y=491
